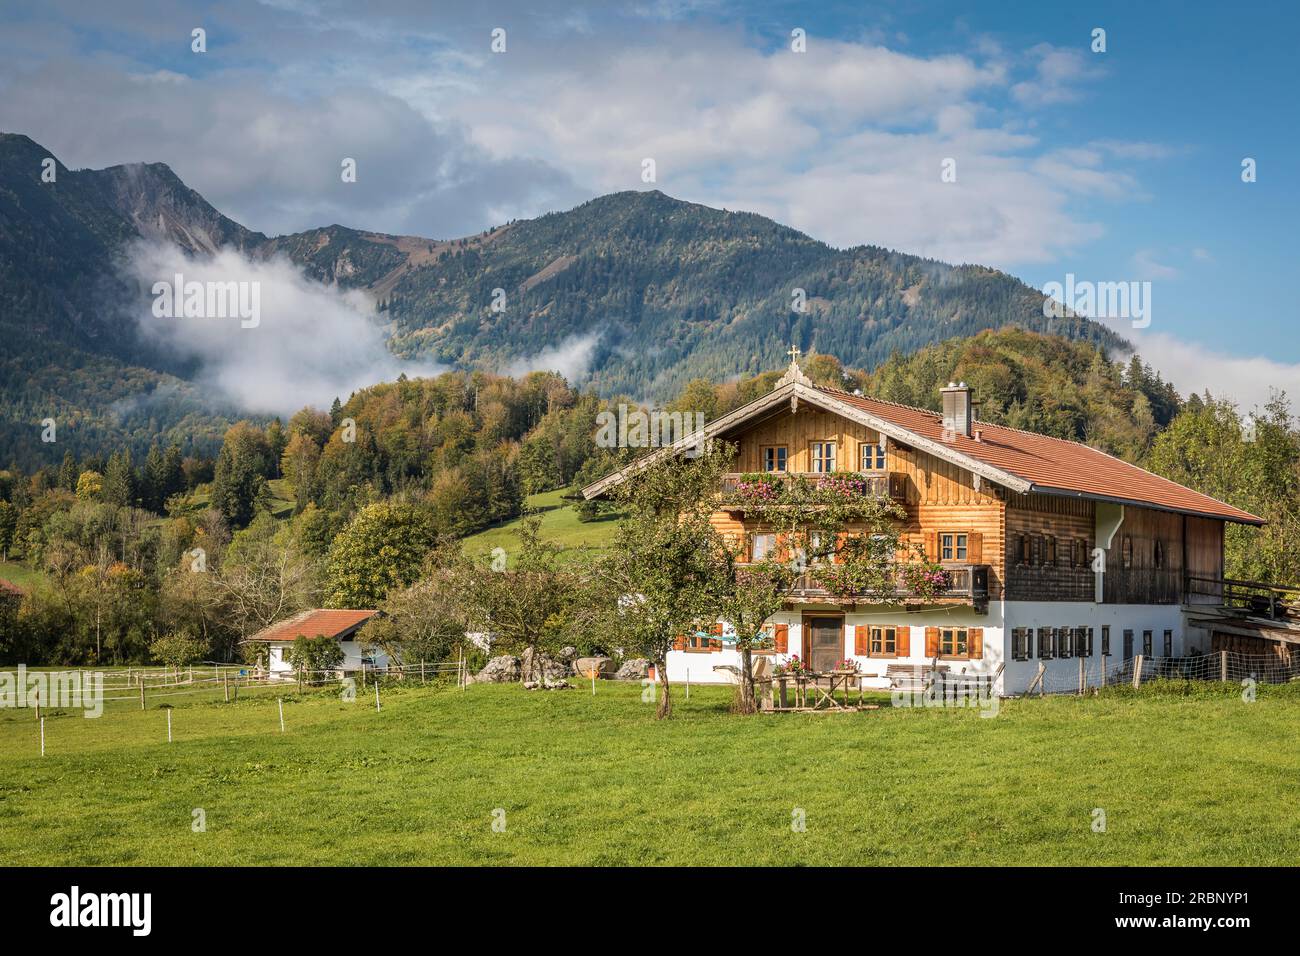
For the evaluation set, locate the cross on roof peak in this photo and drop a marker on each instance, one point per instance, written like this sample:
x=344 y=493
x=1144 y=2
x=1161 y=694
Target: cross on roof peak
x=794 y=353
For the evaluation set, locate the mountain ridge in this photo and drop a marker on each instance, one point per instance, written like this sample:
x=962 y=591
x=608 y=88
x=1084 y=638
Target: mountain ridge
x=656 y=290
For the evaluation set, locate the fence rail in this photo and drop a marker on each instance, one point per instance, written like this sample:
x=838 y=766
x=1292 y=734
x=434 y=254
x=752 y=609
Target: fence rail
x=1222 y=666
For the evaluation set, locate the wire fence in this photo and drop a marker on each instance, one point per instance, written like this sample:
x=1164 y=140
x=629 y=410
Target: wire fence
x=1223 y=666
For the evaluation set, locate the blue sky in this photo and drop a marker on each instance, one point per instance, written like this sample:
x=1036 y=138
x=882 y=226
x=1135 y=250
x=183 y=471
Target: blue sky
x=1115 y=166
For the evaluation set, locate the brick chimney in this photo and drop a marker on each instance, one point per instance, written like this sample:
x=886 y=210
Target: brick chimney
x=957 y=412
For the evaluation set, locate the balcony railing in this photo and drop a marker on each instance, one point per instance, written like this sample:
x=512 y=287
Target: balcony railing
x=966 y=583
x=882 y=485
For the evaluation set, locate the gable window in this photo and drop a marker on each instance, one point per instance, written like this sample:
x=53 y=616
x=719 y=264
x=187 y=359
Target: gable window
x=1022 y=643
x=884 y=642
x=873 y=457
x=1046 y=644
x=774 y=457
x=823 y=456
x=1146 y=643
x=1105 y=640
x=1169 y=643
x=953 y=642
x=952 y=546
x=762 y=547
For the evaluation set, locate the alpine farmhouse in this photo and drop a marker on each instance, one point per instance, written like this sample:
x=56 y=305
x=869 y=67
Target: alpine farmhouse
x=1053 y=550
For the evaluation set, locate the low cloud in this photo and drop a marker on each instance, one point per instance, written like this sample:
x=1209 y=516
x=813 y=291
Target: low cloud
x=1192 y=367
x=308 y=344
x=571 y=358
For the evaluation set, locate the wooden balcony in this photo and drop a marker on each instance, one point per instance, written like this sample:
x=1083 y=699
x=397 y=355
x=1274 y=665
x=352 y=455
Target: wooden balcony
x=968 y=584
x=880 y=485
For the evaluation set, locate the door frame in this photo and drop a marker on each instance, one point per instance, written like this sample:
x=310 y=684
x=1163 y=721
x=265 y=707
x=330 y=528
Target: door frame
x=805 y=634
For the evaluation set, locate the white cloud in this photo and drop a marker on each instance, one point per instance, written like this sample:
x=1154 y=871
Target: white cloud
x=571 y=358
x=1148 y=268
x=1193 y=367
x=312 y=342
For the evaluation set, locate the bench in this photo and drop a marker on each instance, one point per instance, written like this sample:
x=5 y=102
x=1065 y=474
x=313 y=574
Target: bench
x=913 y=676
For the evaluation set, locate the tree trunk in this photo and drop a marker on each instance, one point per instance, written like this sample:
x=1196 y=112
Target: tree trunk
x=665 y=700
x=747 y=702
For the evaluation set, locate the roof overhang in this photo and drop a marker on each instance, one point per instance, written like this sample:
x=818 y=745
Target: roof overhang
x=794 y=393
x=1140 y=503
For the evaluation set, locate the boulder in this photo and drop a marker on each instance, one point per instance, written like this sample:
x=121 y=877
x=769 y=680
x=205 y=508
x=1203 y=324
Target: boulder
x=603 y=666
x=499 y=670
x=637 y=668
x=547 y=668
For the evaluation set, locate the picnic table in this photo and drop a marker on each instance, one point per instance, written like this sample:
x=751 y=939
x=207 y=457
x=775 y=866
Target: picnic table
x=812 y=690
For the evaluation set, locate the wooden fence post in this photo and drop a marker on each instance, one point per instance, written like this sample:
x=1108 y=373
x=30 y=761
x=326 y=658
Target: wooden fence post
x=1082 y=678
x=1137 y=672
x=1223 y=666
x=142 y=692
x=226 y=683
x=421 y=670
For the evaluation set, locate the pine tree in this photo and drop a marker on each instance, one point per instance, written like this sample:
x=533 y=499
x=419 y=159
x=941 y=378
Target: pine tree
x=119 y=480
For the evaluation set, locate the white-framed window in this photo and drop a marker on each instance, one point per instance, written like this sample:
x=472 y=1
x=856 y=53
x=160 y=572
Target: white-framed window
x=762 y=546
x=823 y=456
x=952 y=546
x=873 y=456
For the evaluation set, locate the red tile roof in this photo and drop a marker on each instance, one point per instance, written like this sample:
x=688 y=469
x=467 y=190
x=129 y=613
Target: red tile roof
x=9 y=589
x=315 y=623
x=1052 y=464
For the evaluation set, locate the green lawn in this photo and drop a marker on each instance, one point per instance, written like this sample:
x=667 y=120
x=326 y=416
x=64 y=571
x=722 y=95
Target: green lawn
x=560 y=525
x=583 y=780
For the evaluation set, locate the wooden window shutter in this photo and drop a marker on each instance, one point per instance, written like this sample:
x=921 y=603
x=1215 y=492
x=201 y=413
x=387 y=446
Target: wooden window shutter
x=838 y=557
x=781 y=633
x=860 y=640
x=679 y=642
x=974 y=547
x=782 y=547
x=932 y=545
x=931 y=642
x=903 y=641
x=975 y=642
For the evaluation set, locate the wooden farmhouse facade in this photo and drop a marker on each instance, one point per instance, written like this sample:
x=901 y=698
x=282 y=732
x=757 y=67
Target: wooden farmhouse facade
x=1053 y=550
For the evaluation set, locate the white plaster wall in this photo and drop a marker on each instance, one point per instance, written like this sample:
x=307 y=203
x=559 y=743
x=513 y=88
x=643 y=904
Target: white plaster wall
x=1001 y=618
x=1136 y=617
x=352 y=655
x=699 y=666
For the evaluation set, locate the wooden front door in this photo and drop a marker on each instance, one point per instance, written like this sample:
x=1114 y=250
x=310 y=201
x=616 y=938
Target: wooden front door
x=825 y=645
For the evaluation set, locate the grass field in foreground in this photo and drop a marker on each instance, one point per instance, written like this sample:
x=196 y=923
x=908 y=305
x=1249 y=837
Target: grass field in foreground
x=583 y=780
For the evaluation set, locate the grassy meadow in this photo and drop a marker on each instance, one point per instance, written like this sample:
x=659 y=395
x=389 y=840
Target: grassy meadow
x=1201 y=779
x=560 y=525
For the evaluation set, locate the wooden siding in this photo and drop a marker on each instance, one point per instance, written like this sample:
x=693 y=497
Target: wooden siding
x=938 y=496
x=941 y=496
x=1203 y=550
x=1044 y=518
x=797 y=432
x=1144 y=581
